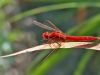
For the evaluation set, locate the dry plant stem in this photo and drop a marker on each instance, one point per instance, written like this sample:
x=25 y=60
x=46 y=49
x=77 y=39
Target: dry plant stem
x=87 y=45
x=98 y=38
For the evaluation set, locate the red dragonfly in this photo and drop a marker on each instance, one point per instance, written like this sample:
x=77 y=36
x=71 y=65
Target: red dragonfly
x=57 y=36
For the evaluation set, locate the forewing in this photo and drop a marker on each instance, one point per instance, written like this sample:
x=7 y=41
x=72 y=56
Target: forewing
x=43 y=25
x=54 y=26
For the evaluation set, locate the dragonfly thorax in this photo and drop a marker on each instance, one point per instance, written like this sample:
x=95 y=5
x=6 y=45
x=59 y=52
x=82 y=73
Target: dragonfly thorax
x=55 y=36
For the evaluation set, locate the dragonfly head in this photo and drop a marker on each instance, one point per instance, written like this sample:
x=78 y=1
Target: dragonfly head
x=45 y=35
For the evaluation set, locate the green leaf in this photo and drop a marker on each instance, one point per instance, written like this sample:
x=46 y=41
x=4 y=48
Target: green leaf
x=52 y=8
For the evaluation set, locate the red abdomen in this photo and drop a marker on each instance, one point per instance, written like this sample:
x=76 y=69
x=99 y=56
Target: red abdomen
x=81 y=38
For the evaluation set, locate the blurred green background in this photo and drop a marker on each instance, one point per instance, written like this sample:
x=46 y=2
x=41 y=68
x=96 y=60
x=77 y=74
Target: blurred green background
x=17 y=32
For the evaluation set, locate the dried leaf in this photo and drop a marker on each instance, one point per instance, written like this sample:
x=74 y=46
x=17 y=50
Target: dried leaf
x=87 y=45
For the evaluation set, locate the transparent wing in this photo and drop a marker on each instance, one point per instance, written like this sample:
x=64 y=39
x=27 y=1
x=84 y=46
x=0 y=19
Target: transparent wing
x=54 y=26
x=43 y=25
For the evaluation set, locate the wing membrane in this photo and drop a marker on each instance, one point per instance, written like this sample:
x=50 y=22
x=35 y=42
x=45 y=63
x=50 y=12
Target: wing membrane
x=54 y=26
x=43 y=25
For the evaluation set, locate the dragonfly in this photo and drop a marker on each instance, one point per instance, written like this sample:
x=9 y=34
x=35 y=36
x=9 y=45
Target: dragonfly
x=55 y=35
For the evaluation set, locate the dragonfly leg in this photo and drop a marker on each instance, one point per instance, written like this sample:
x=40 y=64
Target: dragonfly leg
x=50 y=52
x=59 y=45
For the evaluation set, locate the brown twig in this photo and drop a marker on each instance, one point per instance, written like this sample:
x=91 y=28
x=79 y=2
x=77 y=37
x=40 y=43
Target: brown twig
x=87 y=45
